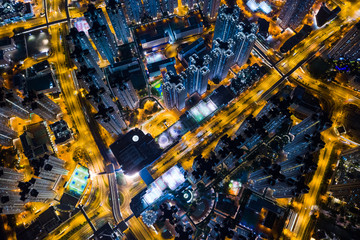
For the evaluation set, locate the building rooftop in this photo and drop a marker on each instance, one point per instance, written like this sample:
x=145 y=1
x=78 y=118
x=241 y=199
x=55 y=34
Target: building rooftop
x=36 y=140
x=135 y=150
x=61 y=131
x=105 y=232
x=221 y=96
x=44 y=224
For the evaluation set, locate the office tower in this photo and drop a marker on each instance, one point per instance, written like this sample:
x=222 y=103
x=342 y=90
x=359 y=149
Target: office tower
x=79 y=39
x=133 y=9
x=125 y=93
x=104 y=41
x=222 y=58
x=227 y=21
x=244 y=41
x=151 y=7
x=169 y=5
x=11 y=105
x=118 y=21
x=349 y=46
x=174 y=91
x=211 y=7
x=293 y=12
x=346 y=182
x=197 y=74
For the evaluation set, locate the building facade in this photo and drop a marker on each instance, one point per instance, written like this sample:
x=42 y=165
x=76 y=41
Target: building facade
x=349 y=46
x=118 y=21
x=226 y=22
x=174 y=91
x=169 y=6
x=222 y=56
x=244 y=41
x=104 y=42
x=211 y=8
x=134 y=10
x=125 y=93
x=293 y=12
x=197 y=74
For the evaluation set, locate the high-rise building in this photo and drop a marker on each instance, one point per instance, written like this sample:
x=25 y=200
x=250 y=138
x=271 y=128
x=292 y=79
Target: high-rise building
x=349 y=46
x=104 y=41
x=85 y=58
x=100 y=33
x=133 y=9
x=12 y=105
x=9 y=180
x=88 y=76
x=118 y=21
x=222 y=57
x=49 y=167
x=174 y=90
x=125 y=93
x=36 y=141
x=189 y=3
x=48 y=104
x=246 y=78
x=244 y=41
x=346 y=182
x=6 y=135
x=43 y=106
x=211 y=7
x=231 y=24
x=197 y=74
x=96 y=15
x=37 y=190
x=227 y=21
x=110 y=119
x=293 y=12
x=41 y=189
x=151 y=7
x=79 y=39
x=98 y=96
x=169 y=5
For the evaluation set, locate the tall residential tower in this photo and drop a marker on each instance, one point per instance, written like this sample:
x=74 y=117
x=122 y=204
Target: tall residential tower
x=118 y=21
x=174 y=90
x=198 y=74
x=293 y=12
